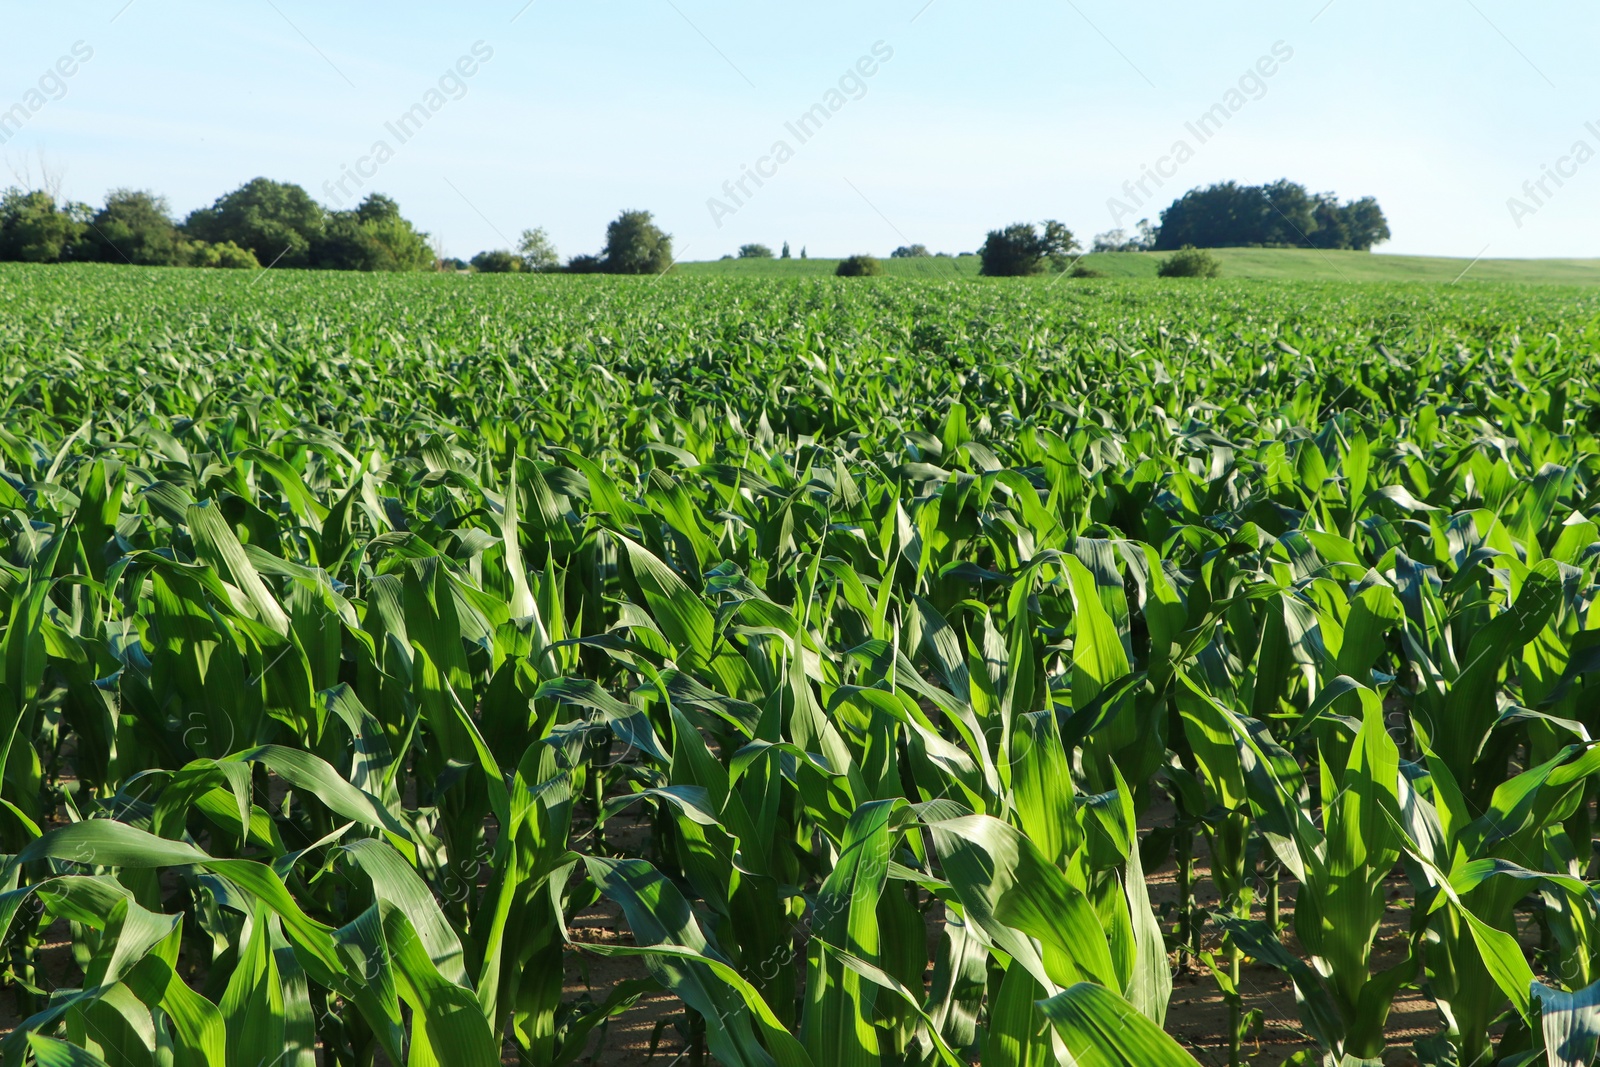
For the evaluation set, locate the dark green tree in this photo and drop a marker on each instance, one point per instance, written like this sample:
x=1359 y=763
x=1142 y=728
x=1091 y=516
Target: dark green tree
x=34 y=228
x=910 y=252
x=373 y=237
x=1364 y=224
x=135 y=227
x=754 y=252
x=1021 y=249
x=1280 y=215
x=499 y=261
x=277 y=222
x=636 y=245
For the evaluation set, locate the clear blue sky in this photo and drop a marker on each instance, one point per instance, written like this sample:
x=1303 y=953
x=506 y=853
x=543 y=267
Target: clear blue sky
x=987 y=113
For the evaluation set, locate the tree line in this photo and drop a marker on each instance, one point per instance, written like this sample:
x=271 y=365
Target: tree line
x=1282 y=214
x=634 y=245
x=262 y=223
x=267 y=223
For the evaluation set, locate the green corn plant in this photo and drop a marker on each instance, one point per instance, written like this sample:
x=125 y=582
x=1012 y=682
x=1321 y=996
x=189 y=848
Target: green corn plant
x=1343 y=871
x=1471 y=873
x=357 y=635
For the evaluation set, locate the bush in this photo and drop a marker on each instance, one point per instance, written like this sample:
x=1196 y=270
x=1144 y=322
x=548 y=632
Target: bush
x=497 y=262
x=1190 y=262
x=1082 y=271
x=755 y=252
x=225 y=256
x=910 y=252
x=860 y=267
x=587 y=265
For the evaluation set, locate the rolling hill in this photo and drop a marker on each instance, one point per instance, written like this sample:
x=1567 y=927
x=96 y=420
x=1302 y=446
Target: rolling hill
x=1264 y=264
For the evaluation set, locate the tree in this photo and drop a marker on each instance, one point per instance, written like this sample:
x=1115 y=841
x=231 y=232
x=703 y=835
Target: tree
x=1365 y=224
x=785 y=251
x=910 y=252
x=35 y=228
x=862 y=266
x=1142 y=240
x=1330 y=231
x=802 y=251
x=1279 y=215
x=754 y=252
x=636 y=245
x=453 y=263
x=277 y=221
x=1021 y=249
x=497 y=262
x=1058 y=244
x=537 y=252
x=588 y=265
x=373 y=237
x=135 y=227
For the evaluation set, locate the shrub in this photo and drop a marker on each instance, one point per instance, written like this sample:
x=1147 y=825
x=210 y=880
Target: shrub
x=754 y=252
x=1082 y=271
x=1190 y=262
x=910 y=252
x=497 y=262
x=860 y=267
x=225 y=256
x=585 y=265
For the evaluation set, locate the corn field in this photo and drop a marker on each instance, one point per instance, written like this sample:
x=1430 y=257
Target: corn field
x=866 y=647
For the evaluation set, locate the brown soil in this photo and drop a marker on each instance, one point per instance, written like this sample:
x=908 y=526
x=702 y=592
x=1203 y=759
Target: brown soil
x=1197 y=1015
x=651 y=1031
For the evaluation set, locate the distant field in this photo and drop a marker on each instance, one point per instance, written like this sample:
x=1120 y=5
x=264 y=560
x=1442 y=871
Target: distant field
x=1265 y=264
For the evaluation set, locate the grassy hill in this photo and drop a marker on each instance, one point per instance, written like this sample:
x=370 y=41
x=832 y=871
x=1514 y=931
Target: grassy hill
x=1266 y=264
